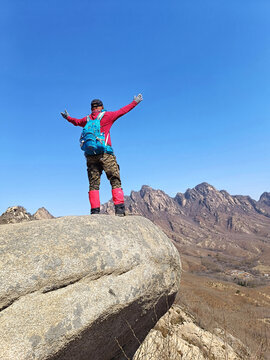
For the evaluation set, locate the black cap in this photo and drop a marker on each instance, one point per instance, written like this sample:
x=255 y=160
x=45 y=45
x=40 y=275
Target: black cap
x=96 y=102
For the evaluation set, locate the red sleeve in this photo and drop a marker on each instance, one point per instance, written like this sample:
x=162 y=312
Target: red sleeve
x=111 y=116
x=77 y=122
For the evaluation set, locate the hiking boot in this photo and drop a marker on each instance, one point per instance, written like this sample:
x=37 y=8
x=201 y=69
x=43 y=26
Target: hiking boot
x=95 y=211
x=120 y=209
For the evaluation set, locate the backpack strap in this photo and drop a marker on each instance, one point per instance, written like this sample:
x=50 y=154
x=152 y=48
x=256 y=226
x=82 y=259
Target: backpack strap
x=99 y=117
x=101 y=114
x=107 y=137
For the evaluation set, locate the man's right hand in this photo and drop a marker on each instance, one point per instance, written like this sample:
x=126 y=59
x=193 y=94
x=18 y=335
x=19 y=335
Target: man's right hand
x=65 y=114
x=138 y=98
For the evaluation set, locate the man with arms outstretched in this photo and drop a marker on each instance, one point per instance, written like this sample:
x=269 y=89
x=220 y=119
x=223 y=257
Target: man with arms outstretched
x=106 y=161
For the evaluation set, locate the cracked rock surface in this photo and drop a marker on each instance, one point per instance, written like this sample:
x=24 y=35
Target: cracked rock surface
x=88 y=287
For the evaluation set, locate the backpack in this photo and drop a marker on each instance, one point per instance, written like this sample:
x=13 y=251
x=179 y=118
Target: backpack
x=92 y=141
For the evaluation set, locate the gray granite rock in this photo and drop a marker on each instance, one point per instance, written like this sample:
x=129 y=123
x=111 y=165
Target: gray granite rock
x=88 y=287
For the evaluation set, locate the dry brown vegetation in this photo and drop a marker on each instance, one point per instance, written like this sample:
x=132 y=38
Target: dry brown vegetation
x=176 y=336
x=241 y=311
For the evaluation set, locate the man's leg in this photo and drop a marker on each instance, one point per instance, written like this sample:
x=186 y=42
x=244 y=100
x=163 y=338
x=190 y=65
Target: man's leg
x=111 y=169
x=94 y=171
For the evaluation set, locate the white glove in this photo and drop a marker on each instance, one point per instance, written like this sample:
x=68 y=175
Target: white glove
x=65 y=114
x=138 y=98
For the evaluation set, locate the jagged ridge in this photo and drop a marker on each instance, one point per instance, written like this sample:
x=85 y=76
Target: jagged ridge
x=204 y=221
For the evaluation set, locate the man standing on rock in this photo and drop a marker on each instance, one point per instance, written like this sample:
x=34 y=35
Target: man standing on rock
x=104 y=159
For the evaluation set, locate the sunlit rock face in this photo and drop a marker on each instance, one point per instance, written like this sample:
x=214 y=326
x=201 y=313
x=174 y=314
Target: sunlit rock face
x=81 y=287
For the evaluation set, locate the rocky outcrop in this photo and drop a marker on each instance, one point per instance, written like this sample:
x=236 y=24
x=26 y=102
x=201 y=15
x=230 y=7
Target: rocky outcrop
x=15 y=214
x=263 y=205
x=176 y=336
x=265 y=199
x=42 y=214
x=83 y=287
x=18 y=214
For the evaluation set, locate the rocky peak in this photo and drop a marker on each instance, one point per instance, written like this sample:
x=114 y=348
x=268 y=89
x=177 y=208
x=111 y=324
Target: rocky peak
x=204 y=196
x=263 y=205
x=157 y=200
x=202 y=191
x=265 y=199
x=15 y=214
x=205 y=189
x=145 y=189
x=42 y=214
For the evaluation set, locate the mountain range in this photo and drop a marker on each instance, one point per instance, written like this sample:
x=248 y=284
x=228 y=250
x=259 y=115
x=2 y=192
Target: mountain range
x=215 y=231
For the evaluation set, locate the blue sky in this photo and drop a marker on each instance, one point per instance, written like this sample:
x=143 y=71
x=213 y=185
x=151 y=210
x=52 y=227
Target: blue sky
x=203 y=69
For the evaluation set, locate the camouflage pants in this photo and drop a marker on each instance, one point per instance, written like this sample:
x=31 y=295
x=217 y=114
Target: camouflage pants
x=96 y=164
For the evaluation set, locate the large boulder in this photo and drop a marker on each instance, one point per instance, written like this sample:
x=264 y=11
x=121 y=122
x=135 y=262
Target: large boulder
x=88 y=287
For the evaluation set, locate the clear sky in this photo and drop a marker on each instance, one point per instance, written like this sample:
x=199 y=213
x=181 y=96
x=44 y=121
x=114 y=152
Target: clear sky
x=203 y=68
